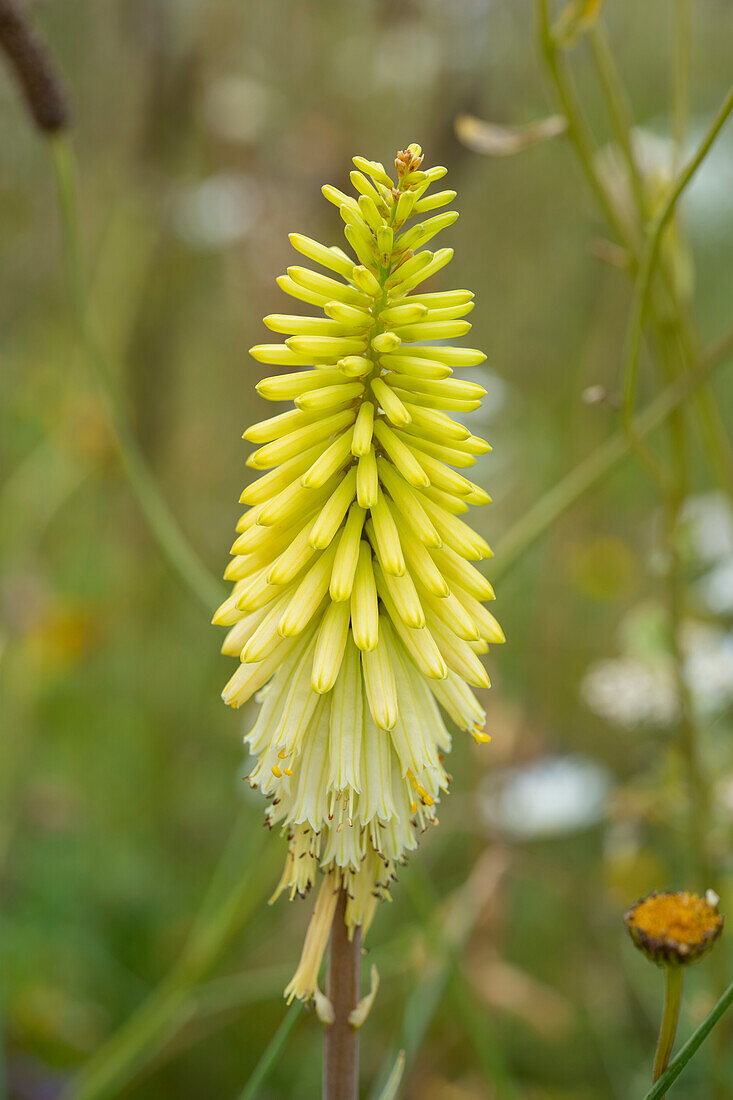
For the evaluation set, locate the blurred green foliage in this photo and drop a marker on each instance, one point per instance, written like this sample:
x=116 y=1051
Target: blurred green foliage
x=203 y=132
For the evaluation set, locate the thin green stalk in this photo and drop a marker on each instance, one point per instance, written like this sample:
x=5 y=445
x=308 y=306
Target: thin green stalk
x=271 y=1054
x=389 y=1092
x=578 y=131
x=618 y=109
x=600 y=463
x=582 y=139
x=646 y=269
x=691 y=1047
x=162 y=524
x=670 y=1016
x=714 y=435
x=223 y=914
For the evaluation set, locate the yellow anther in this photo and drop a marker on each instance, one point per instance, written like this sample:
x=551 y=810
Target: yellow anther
x=282 y=754
x=413 y=807
x=288 y=771
x=276 y=772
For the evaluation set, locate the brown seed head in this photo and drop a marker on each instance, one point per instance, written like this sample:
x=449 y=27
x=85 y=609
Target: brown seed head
x=675 y=929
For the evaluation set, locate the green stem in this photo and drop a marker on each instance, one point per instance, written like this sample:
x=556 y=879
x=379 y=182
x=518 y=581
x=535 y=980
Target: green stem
x=162 y=524
x=670 y=1015
x=600 y=463
x=618 y=109
x=646 y=269
x=393 y=1081
x=578 y=131
x=714 y=435
x=691 y=1047
x=271 y=1054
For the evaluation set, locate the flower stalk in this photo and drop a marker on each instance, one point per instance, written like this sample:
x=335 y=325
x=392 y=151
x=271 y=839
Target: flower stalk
x=341 y=1038
x=670 y=1016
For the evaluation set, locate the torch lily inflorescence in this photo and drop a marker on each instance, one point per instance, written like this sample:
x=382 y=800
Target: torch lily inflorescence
x=356 y=612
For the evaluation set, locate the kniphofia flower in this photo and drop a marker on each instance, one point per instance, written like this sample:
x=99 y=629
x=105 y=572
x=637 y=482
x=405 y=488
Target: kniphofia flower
x=356 y=612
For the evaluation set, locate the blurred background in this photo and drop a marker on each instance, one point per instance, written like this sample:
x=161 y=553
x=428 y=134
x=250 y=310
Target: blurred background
x=204 y=131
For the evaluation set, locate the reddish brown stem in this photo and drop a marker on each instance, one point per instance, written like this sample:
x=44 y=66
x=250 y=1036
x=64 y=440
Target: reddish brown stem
x=341 y=1040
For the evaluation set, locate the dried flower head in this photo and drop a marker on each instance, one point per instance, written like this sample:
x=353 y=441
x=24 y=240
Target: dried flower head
x=356 y=612
x=674 y=929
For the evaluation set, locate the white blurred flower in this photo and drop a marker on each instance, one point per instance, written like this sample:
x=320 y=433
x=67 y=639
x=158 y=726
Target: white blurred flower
x=709 y=666
x=237 y=108
x=550 y=796
x=214 y=212
x=715 y=589
x=709 y=522
x=629 y=692
x=710 y=195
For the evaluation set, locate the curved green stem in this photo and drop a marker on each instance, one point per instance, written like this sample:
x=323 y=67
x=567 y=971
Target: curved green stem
x=670 y=1016
x=654 y=239
x=691 y=1047
x=618 y=109
x=271 y=1053
x=578 y=131
x=161 y=522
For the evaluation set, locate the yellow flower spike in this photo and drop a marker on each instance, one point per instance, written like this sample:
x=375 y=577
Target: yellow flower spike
x=355 y=613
